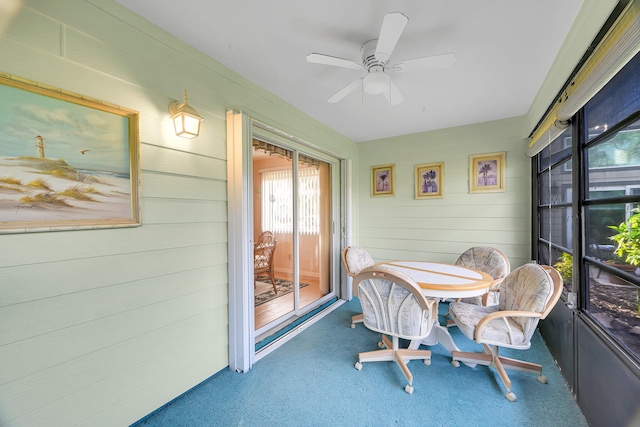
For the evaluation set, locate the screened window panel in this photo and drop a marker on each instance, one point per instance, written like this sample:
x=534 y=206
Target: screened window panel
x=555 y=226
x=613 y=166
x=558 y=150
x=598 y=218
x=555 y=186
x=616 y=101
x=563 y=262
x=544 y=189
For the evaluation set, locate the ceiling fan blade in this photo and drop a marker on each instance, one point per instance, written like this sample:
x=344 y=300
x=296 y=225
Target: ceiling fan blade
x=392 y=27
x=345 y=91
x=436 y=62
x=393 y=95
x=319 y=58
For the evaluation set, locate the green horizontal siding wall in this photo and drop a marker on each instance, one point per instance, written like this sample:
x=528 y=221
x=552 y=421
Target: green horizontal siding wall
x=102 y=327
x=401 y=227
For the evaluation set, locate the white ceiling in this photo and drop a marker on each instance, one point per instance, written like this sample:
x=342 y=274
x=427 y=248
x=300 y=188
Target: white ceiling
x=504 y=49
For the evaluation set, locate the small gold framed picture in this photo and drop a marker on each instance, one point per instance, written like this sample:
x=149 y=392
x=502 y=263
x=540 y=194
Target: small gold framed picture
x=430 y=181
x=383 y=180
x=487 y=172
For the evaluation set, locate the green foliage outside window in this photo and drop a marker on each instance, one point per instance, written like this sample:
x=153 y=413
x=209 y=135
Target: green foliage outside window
x=565 y=267
x=628 y=239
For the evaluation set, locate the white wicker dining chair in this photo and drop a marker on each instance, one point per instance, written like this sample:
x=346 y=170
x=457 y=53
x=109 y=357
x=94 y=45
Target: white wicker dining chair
x=393 y=304
x=488 y=260
x=356 y=259
x=527 y=295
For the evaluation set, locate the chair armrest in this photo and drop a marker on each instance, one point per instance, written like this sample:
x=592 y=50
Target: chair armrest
x=432 y=303
x=496 y=283
x=494 y=288
x=499 y=315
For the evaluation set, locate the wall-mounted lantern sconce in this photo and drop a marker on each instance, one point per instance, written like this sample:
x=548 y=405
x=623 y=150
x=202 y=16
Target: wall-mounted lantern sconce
x=185 y=118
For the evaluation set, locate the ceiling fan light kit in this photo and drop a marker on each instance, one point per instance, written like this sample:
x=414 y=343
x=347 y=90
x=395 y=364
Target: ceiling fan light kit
x=375 y=56
x=376 y=82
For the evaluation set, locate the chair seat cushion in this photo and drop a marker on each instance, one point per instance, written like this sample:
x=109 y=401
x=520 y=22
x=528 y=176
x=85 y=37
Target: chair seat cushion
x=492 y=299
x=472 y=300
x=261 y=261
x=496 y=332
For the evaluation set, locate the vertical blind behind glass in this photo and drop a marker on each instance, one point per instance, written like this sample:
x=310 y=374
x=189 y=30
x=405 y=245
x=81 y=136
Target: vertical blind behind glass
x=277 y=201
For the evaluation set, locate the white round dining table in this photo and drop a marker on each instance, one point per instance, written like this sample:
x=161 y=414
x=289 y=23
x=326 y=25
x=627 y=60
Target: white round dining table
x=443 y=281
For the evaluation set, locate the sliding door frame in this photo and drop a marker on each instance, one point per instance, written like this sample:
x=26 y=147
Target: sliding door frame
x=241 y=129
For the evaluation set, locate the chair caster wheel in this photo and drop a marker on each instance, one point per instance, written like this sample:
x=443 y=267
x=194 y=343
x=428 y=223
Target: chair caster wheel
x=409 y=389
x=358 y=366
x=353 y=326
x=510 y=397
x=455 y=363
x=381 y=344
x=542 y=379
x=427 y=362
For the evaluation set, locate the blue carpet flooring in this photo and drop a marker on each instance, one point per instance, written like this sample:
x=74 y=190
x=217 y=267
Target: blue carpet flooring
x=311 y=381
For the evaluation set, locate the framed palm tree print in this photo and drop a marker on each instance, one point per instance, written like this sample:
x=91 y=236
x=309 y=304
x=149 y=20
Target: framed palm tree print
x=487 y=172
x=383 y=180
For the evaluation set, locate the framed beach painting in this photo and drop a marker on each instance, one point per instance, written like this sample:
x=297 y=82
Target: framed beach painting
x=67 y=161
x=383 y=180
x=429 y=180
x=487 y=172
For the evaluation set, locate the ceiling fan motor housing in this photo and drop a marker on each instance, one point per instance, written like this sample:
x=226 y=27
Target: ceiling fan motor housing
x=369 y=55
x=376 y=81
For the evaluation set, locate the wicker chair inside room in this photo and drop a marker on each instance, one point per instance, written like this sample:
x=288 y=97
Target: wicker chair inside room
x=263 y=251
x=393 y=304
x=526 y=295
x=356 y=259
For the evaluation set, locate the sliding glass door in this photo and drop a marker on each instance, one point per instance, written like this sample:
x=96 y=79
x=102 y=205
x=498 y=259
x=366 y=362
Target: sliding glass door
x=273 y=213
x=314 y=229
x=292 y=200
x=286 y=208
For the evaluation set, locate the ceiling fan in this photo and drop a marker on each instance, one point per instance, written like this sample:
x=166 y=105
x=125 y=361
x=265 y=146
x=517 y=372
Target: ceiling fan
x=375 y=59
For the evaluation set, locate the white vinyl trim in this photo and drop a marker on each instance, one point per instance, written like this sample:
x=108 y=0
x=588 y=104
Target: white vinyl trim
x=240 y=230
x=241 y=130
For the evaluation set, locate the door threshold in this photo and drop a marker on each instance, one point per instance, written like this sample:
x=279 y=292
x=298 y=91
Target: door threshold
x=269 y=344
